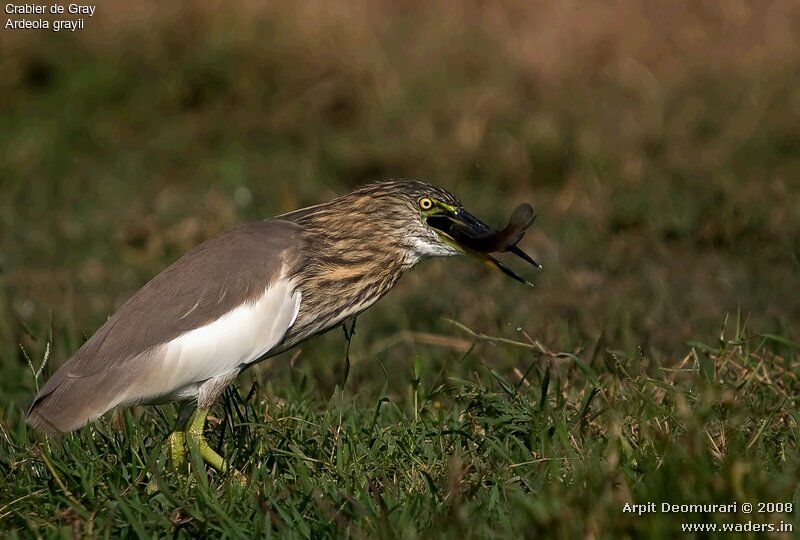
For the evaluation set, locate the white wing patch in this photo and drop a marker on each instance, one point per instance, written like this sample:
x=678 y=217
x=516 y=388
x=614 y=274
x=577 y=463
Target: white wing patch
x=239 y=337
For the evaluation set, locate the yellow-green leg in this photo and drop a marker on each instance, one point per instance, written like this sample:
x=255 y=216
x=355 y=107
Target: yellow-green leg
x=190 y=431
x=177 y=439
x=194 y=435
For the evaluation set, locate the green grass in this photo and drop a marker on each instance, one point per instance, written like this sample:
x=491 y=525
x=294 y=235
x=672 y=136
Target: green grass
x=655 y=360
x=556 y=450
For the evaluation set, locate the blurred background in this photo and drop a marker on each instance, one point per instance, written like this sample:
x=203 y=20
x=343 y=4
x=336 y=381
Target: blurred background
x=658 y=141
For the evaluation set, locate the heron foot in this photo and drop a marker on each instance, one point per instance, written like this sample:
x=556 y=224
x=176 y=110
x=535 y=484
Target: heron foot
x=177 y=448
x=192 y=436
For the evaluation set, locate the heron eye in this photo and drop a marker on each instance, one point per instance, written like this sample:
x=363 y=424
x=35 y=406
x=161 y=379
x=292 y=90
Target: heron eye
x=425 y=203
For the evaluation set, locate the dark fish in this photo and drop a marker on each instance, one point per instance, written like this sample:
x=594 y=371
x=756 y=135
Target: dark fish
x=481 y=240
x=505 y=239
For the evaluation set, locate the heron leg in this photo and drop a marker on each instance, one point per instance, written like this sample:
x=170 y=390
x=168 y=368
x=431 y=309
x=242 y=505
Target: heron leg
x=191 y=422
x=348 y=335
x=189 y=427
x=189 y=431
x=177 y=439
x=194 y=435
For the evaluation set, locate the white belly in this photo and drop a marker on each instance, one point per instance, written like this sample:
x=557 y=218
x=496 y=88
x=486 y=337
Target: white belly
x=226 y=345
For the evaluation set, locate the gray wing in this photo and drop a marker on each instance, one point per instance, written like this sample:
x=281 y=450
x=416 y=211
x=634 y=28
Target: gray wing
x=209 y=281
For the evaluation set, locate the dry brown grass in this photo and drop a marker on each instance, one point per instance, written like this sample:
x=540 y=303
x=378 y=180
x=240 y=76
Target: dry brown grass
x=655 y=139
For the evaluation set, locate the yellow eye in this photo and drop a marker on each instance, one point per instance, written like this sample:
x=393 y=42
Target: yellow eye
x=425 y=203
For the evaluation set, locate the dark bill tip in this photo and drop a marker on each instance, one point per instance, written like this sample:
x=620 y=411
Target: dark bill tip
x=495 y=263
x=524 y=256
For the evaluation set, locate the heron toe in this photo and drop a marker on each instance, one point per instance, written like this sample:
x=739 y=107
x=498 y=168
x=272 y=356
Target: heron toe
x=191 y=434
x=177 y=448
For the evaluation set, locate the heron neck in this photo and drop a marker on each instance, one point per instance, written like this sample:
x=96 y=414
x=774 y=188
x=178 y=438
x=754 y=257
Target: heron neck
x=343 y=271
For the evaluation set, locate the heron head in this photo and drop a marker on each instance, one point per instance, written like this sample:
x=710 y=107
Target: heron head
x=437 y=224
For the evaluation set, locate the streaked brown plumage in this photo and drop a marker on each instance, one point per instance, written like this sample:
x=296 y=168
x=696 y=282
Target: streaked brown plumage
x=248 y=294
x=343 y=274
